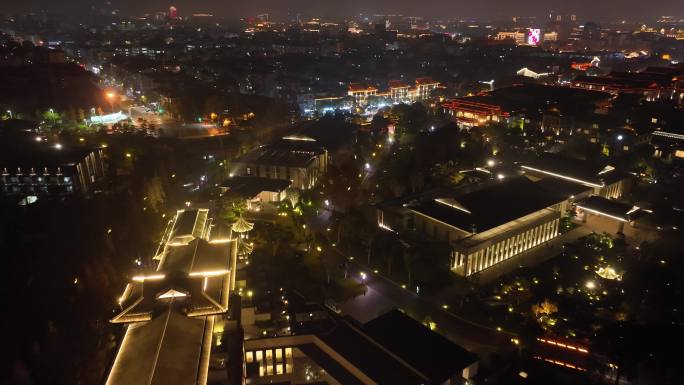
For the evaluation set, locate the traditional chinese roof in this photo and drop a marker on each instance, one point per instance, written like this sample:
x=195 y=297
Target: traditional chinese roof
x=242 y=226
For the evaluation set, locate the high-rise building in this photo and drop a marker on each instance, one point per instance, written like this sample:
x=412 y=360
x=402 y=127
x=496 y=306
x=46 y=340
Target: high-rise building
x=173 y=13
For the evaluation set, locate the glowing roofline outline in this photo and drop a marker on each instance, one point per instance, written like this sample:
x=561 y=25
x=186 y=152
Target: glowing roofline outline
x=564 y=177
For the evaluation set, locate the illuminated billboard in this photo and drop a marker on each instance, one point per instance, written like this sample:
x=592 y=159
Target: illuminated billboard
x=533 y=36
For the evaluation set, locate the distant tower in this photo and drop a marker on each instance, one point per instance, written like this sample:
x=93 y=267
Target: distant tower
x=173 y=13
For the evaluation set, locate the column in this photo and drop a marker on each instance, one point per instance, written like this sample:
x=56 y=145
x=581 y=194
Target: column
x=556 y=224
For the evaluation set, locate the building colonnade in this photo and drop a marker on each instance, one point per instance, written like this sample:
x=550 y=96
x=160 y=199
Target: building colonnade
x=473 y=261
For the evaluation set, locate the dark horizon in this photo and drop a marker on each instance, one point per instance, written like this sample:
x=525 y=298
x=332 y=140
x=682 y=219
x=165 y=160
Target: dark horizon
x=484 y=10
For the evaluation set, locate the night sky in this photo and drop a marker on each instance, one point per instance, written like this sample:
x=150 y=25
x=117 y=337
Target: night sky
x=486 y=9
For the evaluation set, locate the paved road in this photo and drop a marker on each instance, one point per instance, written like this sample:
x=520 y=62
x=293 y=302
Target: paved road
x=171 y=127
x=384 y=294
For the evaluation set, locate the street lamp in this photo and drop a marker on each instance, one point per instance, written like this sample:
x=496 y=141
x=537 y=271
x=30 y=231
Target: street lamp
x=10 y=113
x=110 y=96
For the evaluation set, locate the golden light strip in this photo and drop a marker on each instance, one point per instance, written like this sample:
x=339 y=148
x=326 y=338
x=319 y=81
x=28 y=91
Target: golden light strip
x=602 y=213
x=561 y=363
x=563 y=345
x=563 y=176
x=143 y=278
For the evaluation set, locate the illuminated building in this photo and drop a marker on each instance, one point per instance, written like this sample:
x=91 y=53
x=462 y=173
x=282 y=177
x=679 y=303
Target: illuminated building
x=550 y=36
x=654 y=83
x=619 y=212
x=668 y=143
x=424 y=88
x=329 y=104
x=361 y=93
x=173 y=314
x=484 y=227
x=299 y=159
x=470 y=112
x=257 y=191
x=399 y=91
x=43 y=170
x=533 y=36
x=602 y=180
x=173 y=13
x=390 y=349
x=526 y=72
x=516 y=36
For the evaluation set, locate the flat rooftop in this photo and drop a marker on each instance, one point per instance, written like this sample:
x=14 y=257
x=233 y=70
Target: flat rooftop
x=288 y=153
x=610 y=208
x=391 y=349
x=410 y=340
x=489 y=207
x=41 y=155
x=573 y=169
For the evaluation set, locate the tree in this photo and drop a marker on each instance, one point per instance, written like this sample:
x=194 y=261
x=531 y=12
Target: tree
x=231 y=206
x=409 y=257
x=154 y=192
x=566 y=221
x=276 y=236
x=545 y=308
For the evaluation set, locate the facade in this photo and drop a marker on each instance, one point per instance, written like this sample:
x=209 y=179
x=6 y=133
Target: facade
x=257 y=191
x=471 y=113
x=173 y=314
x=517 y=36
x=398 y=91
x=667 y=144
x=424 y=88
x=51 y=171
x=493 y=223
x=298 y=159
x=654 y=83
x=361 y=93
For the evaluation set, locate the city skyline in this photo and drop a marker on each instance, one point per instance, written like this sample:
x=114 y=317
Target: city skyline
x=484 y=10
x=373 y=193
